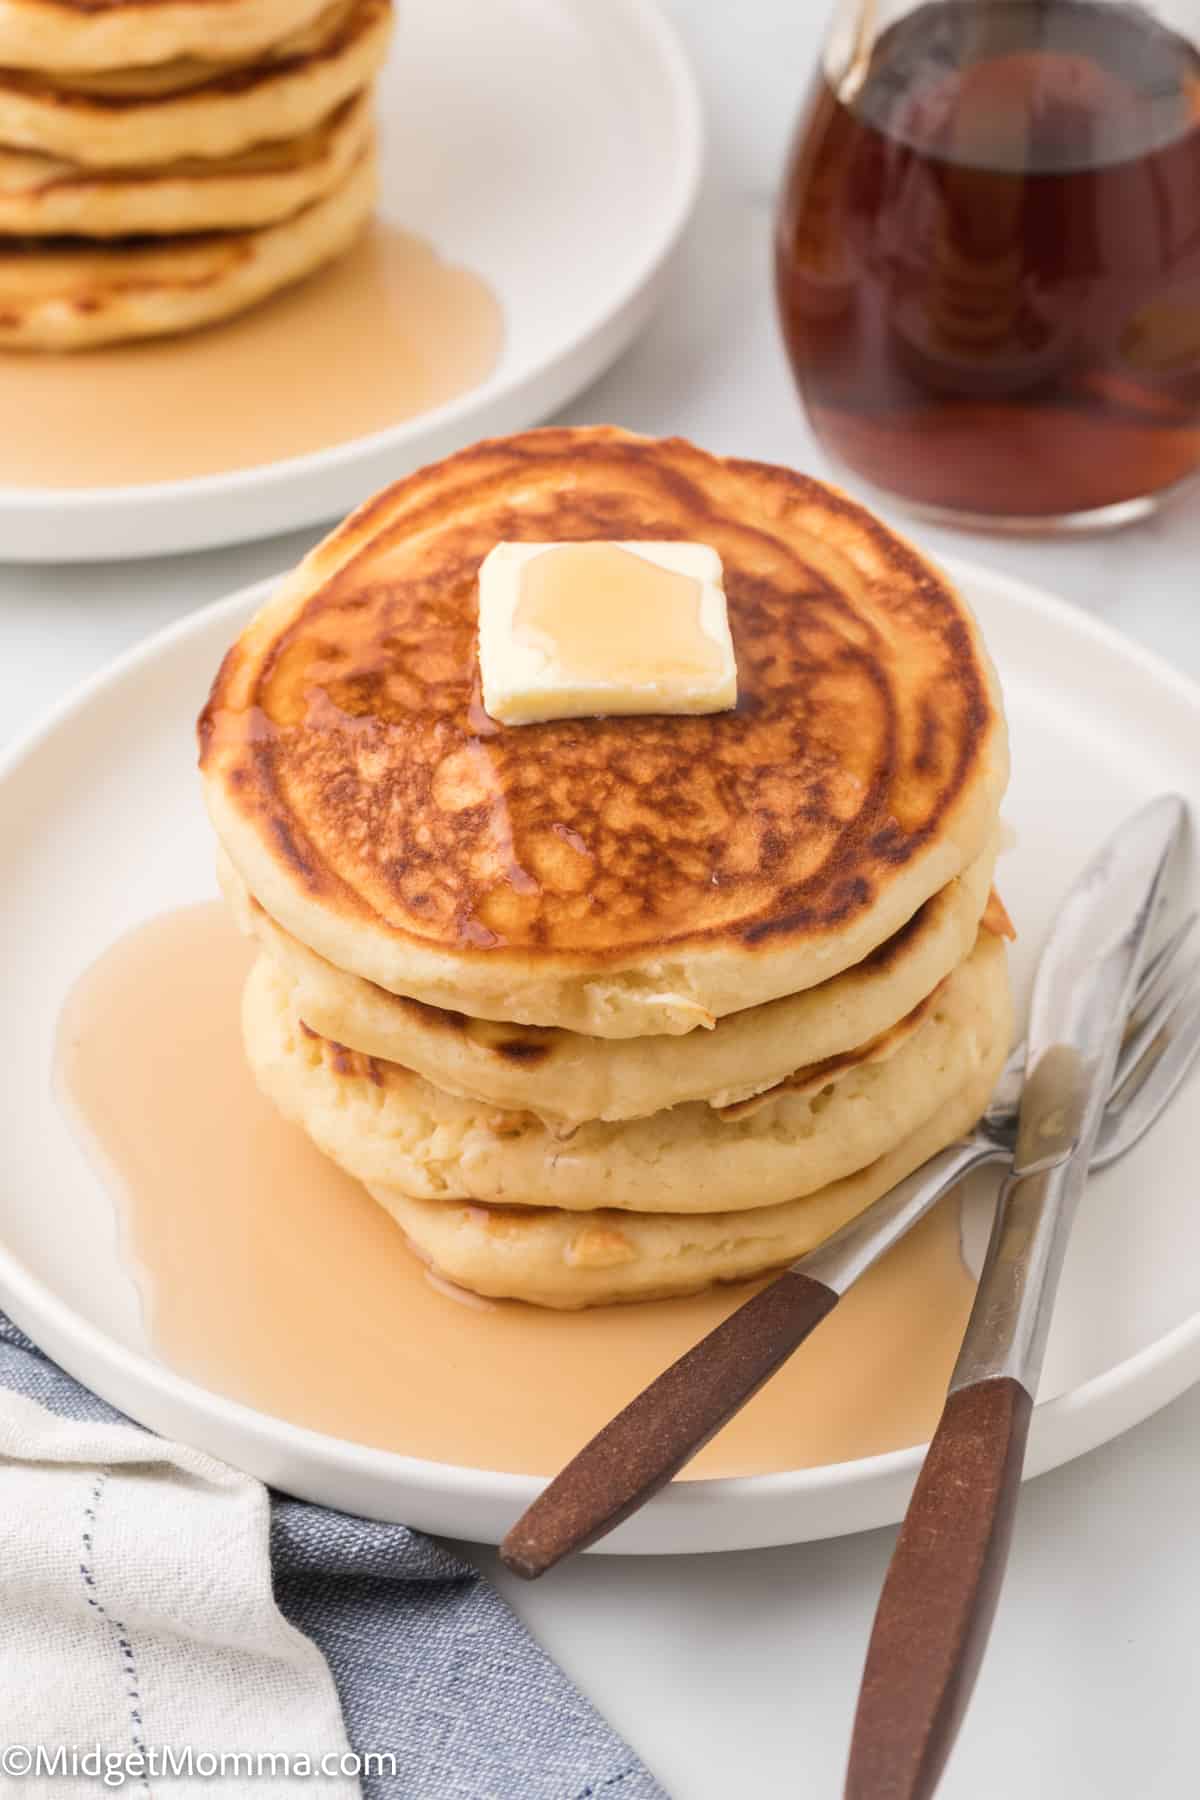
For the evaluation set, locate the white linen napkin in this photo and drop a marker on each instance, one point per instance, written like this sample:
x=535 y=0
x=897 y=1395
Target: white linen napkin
x=136 y=1586
x=137 y=1619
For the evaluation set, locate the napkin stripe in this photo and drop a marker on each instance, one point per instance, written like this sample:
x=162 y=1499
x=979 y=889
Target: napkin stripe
x=124 y=1646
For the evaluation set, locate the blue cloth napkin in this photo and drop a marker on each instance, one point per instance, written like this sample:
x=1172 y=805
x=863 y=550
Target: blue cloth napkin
x=428 y=1660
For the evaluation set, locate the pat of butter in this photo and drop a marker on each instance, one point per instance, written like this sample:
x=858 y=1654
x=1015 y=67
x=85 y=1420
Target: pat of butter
x=570 y=631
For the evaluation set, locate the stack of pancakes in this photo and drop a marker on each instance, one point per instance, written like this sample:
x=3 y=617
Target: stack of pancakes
x=611 y=1008
x=167 y=163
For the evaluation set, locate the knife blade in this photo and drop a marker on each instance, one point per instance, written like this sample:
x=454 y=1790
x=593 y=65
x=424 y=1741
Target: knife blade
x=940 y=1595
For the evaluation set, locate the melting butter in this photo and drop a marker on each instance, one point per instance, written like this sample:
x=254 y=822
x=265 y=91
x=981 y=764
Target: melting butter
x=607 y=614
x=578 y=629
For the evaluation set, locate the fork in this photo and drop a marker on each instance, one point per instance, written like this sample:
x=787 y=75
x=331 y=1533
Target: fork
x=659 y=1431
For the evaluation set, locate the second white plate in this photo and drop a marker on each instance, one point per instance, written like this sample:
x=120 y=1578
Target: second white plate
x=551 y=146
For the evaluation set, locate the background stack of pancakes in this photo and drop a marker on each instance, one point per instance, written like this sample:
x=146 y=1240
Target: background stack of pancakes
x=605 y=1009
x=167 y=163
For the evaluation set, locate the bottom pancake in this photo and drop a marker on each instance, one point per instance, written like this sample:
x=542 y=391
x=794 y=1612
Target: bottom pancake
x=572 y=1260
x=72 y=294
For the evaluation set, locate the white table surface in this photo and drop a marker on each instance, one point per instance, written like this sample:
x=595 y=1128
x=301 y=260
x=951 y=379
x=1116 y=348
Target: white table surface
x=736 y=1675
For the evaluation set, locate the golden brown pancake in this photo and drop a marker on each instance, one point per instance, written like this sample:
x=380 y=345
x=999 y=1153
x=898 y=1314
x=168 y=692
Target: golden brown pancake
x=71 y=293
x=566 y=1077
x=615 y=876
x=149 y=81
x=382 y=1123
x=43 y=196
x=118 y=34
x=570 y=1260
x=148 y=116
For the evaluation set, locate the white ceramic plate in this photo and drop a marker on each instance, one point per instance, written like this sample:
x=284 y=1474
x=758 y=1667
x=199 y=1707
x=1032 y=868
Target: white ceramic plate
x=102 y=826
x=552 y=146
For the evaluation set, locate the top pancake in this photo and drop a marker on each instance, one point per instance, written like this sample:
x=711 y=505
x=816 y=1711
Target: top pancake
x=197 y=106
x=118 y=34
x=619 y=876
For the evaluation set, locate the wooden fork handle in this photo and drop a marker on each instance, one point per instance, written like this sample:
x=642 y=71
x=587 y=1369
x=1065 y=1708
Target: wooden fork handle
x=655 y=1435
x=940 y=1595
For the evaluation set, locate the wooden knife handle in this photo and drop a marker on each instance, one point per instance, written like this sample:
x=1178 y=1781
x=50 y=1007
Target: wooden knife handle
x=940 y=1595
x=655 y=1435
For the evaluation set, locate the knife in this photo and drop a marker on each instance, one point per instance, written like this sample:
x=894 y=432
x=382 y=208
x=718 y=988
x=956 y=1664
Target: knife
x=944 y=1579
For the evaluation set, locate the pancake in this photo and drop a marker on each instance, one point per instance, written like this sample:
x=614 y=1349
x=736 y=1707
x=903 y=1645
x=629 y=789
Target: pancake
x=565 y=1076
x=614 y=876
x=71 y=294
x=147 y=117
x=43 y=195
x=116 y=34
x=571 y=1260
x=383 y=1124
x=151 y=81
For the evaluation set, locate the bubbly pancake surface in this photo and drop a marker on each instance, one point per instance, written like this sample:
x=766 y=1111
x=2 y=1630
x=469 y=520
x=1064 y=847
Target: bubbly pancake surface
x=615 y=876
